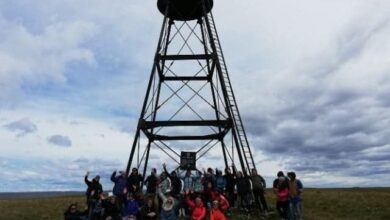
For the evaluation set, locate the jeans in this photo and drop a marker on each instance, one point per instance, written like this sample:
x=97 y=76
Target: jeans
x=296 y=211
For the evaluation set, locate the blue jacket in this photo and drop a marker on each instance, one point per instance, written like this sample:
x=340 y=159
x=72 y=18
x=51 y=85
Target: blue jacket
x=120 y=184
x=168 y=215
x=220 y=183
x=130 y=208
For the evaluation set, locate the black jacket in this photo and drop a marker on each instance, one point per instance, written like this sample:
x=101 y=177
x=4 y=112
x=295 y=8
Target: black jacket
x=243 y=186
x=110 y=209
x=135 y=180
x=151 y=183
x=230 y=182
x=93 y=185
x=146 y=210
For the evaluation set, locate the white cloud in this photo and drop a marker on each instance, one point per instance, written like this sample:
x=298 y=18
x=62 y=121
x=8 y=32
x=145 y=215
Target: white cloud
x=86 y=139
x=311 y=80
x=35 y=59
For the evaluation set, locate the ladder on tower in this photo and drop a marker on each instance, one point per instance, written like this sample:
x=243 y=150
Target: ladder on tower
x=232 y=104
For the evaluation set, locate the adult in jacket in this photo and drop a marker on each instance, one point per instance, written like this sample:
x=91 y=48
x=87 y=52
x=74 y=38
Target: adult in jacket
x=94 y=185
x=197 y=207
x=120 y=187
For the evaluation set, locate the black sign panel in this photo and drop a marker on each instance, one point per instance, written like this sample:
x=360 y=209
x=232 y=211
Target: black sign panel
x=188 y=161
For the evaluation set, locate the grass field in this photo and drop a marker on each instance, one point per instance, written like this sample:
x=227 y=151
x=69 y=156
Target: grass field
x=321 y=204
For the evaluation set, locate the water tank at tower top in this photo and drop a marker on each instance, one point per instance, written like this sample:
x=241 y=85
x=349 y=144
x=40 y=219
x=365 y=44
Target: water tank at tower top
x=184 y=10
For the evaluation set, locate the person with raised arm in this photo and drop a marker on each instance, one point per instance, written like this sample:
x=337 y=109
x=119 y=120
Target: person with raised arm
x=197 y=207
x=168 y=207
x=120 y=184
x=94 y=184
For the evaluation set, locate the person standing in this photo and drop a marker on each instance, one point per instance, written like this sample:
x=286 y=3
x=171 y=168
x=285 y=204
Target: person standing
x=230 y=185
x=151 y=182
x=198 y=184
x=295 y=191
x=164 y=185
x=259 y=185
x=244 y=190
x=120 y=186
x=188 y=182
x=94 y=189
x=220 y=182
x=280 y=187
x=175 y=181
x=135 y=180
x=93 y=185
x=188 y=186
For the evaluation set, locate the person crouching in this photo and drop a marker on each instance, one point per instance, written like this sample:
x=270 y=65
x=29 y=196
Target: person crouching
x=216 y=213
x=130 y=208
x=197 y=207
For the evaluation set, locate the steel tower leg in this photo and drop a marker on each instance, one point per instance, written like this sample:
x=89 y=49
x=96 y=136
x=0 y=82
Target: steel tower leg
x=152 y=75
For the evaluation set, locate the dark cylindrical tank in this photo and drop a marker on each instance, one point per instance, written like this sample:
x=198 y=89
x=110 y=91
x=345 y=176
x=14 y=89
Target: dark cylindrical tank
x=184 y=10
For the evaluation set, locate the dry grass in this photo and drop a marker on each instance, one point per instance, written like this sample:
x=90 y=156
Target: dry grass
x=42 y=209
x=347 y=204
x=319 y=204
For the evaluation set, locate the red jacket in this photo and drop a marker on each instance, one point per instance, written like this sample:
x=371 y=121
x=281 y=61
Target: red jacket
x=198 y=212
x=216 y=214
x=223 y=203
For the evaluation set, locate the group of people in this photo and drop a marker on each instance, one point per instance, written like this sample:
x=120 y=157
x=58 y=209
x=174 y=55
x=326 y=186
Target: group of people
x=195 y=195
x=288 y=190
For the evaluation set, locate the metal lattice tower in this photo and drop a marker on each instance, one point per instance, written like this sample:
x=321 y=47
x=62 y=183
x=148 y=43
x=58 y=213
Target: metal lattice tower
x=189 y=98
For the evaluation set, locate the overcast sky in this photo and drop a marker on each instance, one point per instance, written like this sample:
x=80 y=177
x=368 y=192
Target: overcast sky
x=312 y=80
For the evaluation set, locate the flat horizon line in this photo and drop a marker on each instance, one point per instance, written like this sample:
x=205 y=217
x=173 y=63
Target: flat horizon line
x=59 y=193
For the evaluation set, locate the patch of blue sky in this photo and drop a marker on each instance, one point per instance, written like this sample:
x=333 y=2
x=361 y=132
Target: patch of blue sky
x=27 y=15
x=48 y=175
x=84 y=82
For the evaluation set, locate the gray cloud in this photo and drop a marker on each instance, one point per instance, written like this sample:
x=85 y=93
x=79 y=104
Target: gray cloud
x=22 y=127
x=56 y=175
x=330 y=111
x=60 y=140
x=313 y=92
